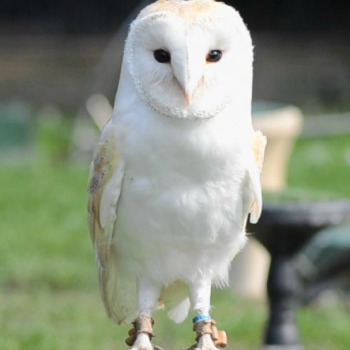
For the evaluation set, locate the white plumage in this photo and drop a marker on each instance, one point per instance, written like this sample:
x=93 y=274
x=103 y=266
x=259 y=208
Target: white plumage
x=175 y=174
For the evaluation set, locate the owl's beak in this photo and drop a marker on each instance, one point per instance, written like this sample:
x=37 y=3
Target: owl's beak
x=187 y=92
x=190 y=87
x=188 y=98
x=189 y=74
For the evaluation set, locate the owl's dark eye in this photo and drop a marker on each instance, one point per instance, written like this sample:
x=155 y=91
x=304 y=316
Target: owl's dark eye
x=214 y=56
x=162 y=56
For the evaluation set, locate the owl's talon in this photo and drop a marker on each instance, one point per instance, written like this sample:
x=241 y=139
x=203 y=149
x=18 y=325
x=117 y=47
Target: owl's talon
x=142 y=342
x=208 y=336
x=146 y=347
x=141 y=334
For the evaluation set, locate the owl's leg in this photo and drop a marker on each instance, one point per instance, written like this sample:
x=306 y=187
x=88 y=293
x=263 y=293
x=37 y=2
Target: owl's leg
x=142 y=333
x=208 y=336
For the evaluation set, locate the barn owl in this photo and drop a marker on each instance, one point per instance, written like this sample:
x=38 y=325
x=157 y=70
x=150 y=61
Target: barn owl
x=176 y=172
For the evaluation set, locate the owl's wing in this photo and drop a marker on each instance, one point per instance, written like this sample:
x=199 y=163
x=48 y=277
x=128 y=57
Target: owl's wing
x=254 y=171
x=106 y=175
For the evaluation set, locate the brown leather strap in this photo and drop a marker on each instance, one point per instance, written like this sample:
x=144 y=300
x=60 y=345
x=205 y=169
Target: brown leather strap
x=142 y=324
x=209 y=327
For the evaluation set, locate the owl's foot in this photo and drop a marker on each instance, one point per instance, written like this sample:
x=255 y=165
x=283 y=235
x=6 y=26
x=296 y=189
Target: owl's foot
x=141 y=334
x=208 y=336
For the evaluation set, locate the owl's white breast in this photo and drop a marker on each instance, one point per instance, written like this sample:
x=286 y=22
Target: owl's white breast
x=181 y=202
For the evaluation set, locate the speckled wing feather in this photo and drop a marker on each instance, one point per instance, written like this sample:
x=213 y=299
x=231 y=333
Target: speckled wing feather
x=107 y=170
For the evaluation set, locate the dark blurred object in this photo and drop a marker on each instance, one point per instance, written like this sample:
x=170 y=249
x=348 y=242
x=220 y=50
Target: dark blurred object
x=324 y=263
x=298 y=16
x=101 y=16
x=63 y=17
x=284 y=229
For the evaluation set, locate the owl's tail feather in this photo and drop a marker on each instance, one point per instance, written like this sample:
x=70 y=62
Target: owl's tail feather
x=175 y=298
x=118 y=293
x=179 y=313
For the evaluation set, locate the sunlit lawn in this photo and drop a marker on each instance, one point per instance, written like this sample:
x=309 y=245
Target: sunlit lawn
x=48 y=291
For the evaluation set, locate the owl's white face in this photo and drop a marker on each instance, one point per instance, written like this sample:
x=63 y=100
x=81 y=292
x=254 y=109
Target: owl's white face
x=190 y=65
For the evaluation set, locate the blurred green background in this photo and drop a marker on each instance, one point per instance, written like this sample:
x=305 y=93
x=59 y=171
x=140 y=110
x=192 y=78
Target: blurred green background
x=53 y=56
x=49 y=297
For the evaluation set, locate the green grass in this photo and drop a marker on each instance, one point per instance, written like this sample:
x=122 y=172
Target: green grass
x=48 y=288
x=321 y=166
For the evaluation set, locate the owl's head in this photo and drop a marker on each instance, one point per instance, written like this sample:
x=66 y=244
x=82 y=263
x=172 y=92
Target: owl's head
x=190 y=59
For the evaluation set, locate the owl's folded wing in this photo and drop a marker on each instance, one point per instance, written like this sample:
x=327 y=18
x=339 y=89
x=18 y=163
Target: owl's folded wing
x=259 y=144
x=106 y=175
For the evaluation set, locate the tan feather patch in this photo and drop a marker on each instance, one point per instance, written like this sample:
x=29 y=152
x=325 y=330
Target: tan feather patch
x=259 y=144
x=188 y=9
x=104 y=167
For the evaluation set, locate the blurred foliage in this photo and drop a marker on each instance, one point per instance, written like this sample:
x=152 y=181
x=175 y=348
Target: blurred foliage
x=54 y=135
x=16 y=129
x=321 y=165
x=319 y=170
